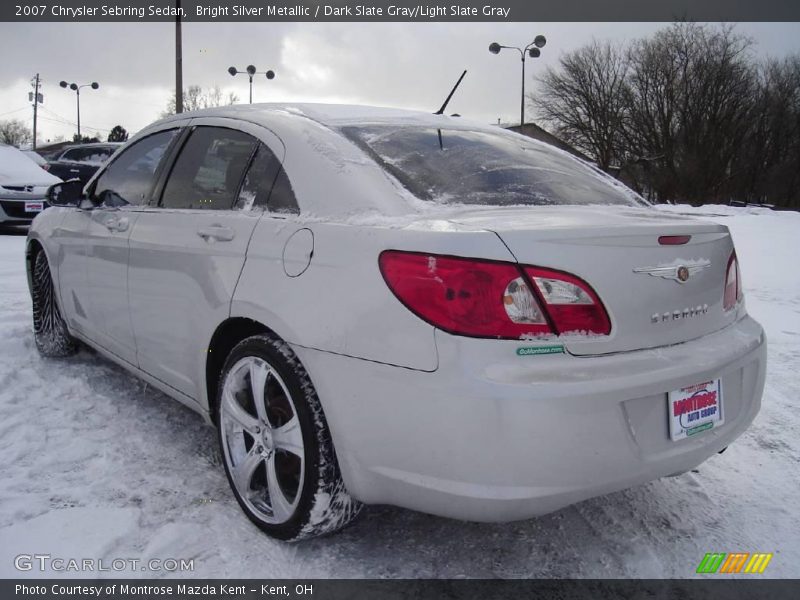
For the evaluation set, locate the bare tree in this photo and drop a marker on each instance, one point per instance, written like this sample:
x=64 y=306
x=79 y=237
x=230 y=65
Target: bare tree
x=15 y=133
x=690 y=96
x=195 y=98
x=583 y=100
x=767 y=168
x=687 y=114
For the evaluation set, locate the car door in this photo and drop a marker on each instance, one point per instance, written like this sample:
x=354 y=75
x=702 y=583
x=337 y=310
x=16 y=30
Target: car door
x=187 y=251
x=66 y=166
x=121 y=191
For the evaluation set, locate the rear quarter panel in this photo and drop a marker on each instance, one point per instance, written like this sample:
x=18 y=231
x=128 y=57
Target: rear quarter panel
x=341 y=303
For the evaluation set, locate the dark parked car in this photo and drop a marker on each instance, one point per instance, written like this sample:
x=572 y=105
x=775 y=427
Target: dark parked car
x=81 y=161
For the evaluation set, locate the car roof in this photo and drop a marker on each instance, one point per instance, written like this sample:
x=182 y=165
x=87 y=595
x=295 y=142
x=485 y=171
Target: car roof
x=95 y=145
x=330 y=115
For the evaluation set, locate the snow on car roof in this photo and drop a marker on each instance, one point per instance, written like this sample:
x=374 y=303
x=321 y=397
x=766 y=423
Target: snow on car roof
x=333 y=115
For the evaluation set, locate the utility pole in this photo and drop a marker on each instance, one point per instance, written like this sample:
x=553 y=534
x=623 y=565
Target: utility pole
x=37 y=98
x=178 y=62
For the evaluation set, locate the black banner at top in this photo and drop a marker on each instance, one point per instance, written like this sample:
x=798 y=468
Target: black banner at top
x=399 y=10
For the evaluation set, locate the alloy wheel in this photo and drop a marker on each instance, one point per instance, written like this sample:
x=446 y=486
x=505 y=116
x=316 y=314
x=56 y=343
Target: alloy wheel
x=262 y=440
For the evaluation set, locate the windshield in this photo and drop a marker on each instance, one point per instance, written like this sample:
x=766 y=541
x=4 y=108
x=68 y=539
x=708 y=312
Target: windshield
x=453 y=166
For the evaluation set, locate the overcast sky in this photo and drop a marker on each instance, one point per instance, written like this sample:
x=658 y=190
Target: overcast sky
x=408 y=65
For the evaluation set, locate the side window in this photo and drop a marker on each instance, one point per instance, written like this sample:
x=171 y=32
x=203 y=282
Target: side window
x=209 y=169
x=99 y=155
x=129 y=179
x=92 y=155
x=258 y=180
x=282 y=198
x=266 y=186
x=71 y=155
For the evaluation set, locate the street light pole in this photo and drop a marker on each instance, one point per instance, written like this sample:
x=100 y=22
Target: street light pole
x=531 y=50
x=250 y=71
x=77 y=89
x=178 y=61
x=522 y=95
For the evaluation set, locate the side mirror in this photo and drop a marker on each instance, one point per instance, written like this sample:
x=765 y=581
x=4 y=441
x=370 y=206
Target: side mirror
x=66 y=193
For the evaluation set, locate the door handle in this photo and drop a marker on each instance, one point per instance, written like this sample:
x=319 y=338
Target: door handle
x=116 y=224
x=219 y=233
x=74 y=170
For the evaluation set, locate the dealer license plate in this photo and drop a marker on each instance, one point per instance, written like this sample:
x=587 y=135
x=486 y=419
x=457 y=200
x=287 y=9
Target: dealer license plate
x=695 y=409
x=34 y=207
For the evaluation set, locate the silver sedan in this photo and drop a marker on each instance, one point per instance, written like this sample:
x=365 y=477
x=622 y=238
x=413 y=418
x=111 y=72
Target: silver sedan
x=380 y=306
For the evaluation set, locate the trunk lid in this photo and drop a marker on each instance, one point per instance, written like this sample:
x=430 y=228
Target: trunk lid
x=616 y=250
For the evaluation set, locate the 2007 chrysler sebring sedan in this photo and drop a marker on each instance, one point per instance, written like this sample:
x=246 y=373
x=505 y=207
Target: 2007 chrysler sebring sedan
x=379 y=306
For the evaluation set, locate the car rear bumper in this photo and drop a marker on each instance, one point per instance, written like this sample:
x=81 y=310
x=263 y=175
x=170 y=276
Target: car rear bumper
x=492 y=436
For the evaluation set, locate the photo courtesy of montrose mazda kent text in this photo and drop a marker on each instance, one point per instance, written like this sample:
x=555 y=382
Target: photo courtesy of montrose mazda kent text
x=376 y=306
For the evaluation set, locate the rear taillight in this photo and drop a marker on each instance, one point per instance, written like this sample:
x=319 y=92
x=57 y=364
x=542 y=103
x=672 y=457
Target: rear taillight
x=572 y=305
x=733 y=283
x=483 y=298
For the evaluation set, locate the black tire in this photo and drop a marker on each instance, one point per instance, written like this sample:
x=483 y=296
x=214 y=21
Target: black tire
x=49 y=329
x=319 y=500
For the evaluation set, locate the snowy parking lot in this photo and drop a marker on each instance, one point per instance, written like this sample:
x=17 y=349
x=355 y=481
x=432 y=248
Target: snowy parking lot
x=98 y=465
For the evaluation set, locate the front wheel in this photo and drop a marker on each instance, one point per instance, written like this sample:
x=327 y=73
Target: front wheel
x=49 y=329
x=276 y=446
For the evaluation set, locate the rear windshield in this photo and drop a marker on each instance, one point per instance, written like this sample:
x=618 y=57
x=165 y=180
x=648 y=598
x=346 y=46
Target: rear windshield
x=453 y=166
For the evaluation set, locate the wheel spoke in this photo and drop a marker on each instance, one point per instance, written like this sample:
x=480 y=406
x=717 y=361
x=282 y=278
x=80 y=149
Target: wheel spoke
x=235 y=411
x=258 y=383
x=243 y=472
x=289 y=437
x=281 y=507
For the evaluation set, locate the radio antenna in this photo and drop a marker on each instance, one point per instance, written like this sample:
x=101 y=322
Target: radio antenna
x=453 y=91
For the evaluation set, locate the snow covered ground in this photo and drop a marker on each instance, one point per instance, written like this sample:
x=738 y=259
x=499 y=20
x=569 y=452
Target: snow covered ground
x=97 y=465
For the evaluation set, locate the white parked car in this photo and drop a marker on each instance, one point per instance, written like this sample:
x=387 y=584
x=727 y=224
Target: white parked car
x=380 y=306
x=23 y=185
x=36 y=157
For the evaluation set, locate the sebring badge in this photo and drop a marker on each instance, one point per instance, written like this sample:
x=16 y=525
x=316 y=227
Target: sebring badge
x=680 y=273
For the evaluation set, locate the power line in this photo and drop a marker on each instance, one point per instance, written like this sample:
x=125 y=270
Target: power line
x=89 y=128
x=13 y=111
x=66 y=121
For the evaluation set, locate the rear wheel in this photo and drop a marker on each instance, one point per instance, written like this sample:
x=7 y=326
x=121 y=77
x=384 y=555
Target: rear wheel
x=276 y=446
x=49 y=330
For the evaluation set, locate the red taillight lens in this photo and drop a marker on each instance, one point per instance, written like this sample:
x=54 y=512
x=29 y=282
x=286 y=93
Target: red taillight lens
x=571 y=303
x=464 y=296
x=733 y=283
x=491 y=299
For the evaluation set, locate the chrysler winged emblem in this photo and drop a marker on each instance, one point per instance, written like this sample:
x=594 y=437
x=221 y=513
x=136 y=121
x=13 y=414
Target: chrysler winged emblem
x=680 y=272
